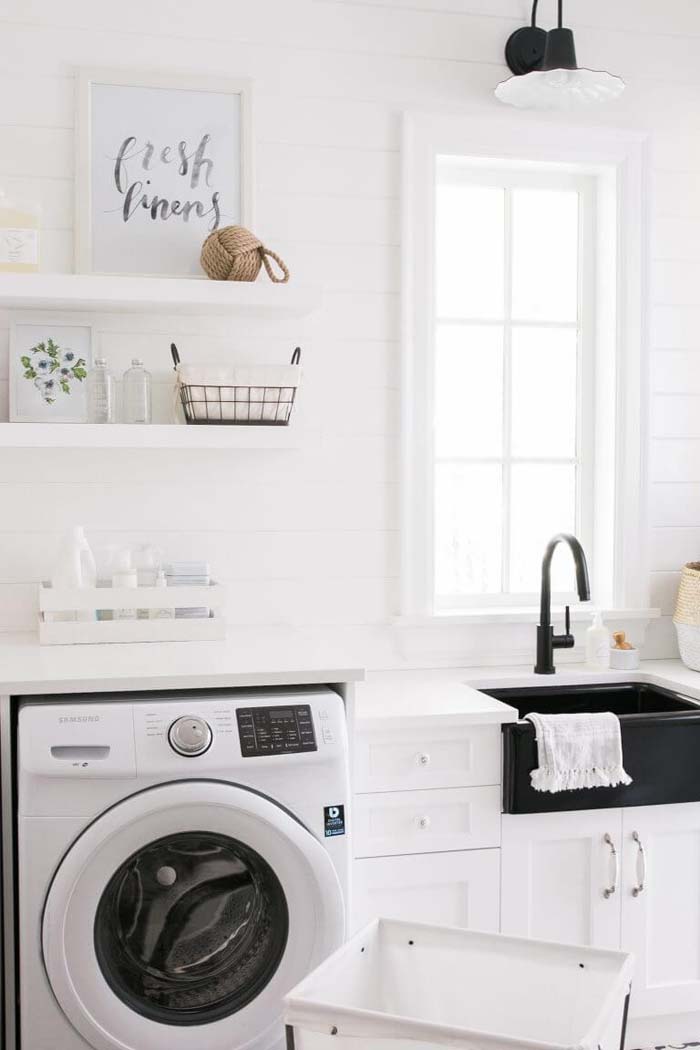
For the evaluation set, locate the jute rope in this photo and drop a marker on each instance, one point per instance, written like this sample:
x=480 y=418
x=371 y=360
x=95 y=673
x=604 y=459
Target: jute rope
x=235 y=254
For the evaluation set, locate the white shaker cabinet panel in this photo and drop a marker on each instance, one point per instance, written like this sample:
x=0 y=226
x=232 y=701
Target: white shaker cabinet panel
x=451 y=889
x=412 y=759
x=661 y=906
x=396 y=822
x=561 y=876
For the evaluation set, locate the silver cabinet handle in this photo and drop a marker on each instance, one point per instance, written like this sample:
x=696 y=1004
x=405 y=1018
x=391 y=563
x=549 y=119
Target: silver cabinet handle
x=609 y=891
x=423 y=759
x=641 y=859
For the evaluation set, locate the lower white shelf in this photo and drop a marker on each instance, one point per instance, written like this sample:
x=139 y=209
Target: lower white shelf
x=154 y=435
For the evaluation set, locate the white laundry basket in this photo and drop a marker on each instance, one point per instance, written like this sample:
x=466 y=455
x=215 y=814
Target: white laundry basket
x=408 y=986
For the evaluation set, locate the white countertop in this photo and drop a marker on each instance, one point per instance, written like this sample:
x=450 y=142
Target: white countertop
x=452 y=694
x=250 y=657
x=424 y=698
x=670 y=673
x=289 y=656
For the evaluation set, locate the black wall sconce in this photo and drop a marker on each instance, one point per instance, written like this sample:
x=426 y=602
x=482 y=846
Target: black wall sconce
x=546 y=74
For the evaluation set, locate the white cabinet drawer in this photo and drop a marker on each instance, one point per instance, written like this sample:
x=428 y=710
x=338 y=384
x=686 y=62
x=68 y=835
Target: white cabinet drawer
x=410 y=759
x=449 y=889
x=391 y=823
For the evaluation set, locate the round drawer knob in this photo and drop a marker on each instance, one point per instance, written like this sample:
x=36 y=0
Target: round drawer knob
x=424 y=823
x=190 y=736
x=423 y=759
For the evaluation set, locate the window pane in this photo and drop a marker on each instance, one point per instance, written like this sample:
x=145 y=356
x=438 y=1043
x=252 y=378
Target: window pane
x=543 y=502
x=545 y=255
x=544 y=398
x=468 y=391
x=468 y=498
x=469 y=251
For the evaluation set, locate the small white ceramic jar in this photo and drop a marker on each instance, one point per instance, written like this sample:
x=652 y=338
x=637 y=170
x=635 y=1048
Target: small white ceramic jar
x=624 y=659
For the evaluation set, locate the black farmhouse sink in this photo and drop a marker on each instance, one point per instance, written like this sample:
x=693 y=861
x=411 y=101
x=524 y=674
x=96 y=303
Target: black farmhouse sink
x=660 y=743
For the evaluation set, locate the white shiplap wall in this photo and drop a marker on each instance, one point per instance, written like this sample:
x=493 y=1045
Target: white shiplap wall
x=310 y=537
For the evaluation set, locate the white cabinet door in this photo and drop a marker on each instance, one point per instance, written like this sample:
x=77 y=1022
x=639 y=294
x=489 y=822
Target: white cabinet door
x=451 y=889
x=661 y=906
x=561 y=876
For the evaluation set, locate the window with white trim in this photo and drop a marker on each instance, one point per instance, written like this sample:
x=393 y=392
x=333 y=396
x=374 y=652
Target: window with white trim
x=512 y=395
x=524 y=353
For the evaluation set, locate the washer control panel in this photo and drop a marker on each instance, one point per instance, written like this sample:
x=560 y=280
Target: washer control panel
x=276 y=730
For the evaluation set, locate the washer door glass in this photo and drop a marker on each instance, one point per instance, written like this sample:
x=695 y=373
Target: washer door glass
x=191 y=928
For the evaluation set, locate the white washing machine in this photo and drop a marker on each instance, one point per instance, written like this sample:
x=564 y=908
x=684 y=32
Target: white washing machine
x=183 y=863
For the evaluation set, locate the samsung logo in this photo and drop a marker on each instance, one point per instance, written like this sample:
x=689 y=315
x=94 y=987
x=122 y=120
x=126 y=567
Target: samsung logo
x=78 y=718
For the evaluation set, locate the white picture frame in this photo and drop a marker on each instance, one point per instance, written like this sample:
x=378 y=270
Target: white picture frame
x=161 y=159
x=60 y=348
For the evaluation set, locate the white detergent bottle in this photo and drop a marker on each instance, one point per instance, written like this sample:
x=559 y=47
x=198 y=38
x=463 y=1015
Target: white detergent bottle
x=597 y=643
x=74 y=569
x=88 y=570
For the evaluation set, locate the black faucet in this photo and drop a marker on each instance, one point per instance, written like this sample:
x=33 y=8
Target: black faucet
x=547 y=640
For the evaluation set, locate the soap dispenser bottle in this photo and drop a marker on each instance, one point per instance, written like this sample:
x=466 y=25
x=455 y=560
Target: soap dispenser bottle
x=124 y=576
x=164 y=613
x=597 y=643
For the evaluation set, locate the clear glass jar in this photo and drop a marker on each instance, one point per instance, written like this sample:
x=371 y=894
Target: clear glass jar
x=137 y=393
x=101 y=393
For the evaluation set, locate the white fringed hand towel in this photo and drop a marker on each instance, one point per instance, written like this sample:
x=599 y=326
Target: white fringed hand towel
x=578 y=751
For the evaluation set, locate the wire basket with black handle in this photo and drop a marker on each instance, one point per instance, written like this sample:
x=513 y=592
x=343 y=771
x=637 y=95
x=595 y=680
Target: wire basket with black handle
x=226 y=395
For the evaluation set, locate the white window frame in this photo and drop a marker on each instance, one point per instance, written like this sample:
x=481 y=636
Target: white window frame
x=515 y=177
x=617 y=163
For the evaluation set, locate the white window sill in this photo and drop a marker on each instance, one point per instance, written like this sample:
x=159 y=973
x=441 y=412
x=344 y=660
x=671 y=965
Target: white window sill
x=522 y=614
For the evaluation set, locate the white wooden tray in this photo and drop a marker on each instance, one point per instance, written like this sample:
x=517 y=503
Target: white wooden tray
x=87 y=600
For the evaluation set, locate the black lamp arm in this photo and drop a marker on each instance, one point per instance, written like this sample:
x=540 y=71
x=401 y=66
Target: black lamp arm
x=534 y=13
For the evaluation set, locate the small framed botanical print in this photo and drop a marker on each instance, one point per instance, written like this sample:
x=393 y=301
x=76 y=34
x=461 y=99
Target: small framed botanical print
x=162 y=161
x=49 y=362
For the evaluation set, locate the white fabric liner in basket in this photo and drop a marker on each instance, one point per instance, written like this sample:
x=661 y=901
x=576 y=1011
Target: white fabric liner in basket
x=687 y=615
x=237 y=393
x=411 y=986
x=689 y=644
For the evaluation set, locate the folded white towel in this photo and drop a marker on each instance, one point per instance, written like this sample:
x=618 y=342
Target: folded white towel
x=578 y=751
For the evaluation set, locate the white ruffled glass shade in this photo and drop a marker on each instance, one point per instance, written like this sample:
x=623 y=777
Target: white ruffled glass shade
x=560 y=89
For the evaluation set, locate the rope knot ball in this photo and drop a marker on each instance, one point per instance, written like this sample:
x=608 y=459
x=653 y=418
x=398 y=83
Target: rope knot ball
x=235 y=254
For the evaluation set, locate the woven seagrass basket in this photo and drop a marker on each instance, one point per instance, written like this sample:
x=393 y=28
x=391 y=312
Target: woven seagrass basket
x=687 y=615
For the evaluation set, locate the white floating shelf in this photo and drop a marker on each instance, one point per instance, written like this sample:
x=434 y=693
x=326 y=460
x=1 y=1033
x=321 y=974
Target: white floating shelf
x=122 y=435
x=262 y=299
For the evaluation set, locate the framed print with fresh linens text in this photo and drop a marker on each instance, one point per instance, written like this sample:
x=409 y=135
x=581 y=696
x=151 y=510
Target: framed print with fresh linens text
x=162 y=161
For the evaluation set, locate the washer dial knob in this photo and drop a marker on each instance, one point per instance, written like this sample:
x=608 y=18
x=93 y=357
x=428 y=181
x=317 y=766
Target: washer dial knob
x=190 y=736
